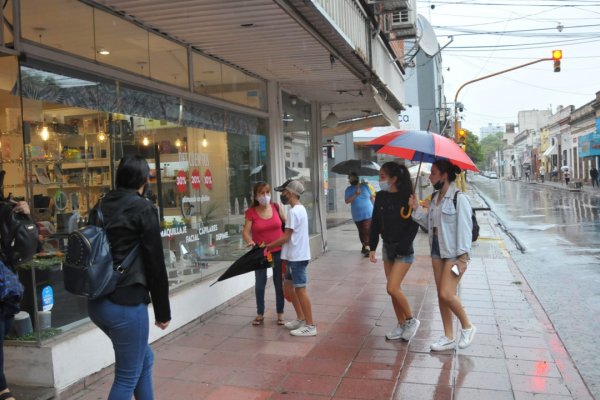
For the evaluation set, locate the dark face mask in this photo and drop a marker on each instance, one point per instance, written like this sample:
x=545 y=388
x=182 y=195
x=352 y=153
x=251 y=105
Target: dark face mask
x=438 y=185
x=285 y=199
x=353 y=181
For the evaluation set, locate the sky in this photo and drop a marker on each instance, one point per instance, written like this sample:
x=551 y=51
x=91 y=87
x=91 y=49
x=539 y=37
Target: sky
x=493 y=35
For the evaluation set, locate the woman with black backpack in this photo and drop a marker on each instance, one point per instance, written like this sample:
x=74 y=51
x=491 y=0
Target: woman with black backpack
x=450 y=228
x=123 y=315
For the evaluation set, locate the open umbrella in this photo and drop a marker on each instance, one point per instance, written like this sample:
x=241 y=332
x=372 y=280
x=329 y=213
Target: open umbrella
x=251 y=261
x=361 y=167
x=424 y=146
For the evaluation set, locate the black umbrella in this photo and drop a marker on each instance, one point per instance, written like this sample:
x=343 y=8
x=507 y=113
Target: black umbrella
x=251 y=261
x=361 y=167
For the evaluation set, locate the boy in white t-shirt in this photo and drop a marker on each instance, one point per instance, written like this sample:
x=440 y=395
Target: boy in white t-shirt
x=295 y=250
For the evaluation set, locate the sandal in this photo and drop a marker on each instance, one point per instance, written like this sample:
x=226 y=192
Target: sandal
x=280 y=321
x=259 y=320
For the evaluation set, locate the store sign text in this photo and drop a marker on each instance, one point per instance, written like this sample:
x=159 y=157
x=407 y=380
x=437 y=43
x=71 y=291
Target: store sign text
x=208 y=229
x=180 y=230
x=195 y=159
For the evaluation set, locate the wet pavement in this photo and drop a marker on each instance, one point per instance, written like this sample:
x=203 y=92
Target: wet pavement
x=559 y=231
x=516 y=353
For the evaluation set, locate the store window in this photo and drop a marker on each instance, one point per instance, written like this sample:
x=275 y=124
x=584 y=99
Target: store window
x=112 y=40
x=298 y=151
x=76 y=128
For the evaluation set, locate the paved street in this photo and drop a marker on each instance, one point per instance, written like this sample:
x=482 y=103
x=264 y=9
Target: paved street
x=516 y=353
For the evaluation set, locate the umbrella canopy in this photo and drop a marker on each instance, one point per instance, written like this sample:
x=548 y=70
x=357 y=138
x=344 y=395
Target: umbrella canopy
x=361 y=167
x=382 y=140
x=427 y=147
x=425 y=170
x=251 y=261
x=564 y=168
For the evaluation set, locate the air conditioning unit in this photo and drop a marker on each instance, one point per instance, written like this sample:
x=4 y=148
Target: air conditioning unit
x=391 y=5
x=403 y=23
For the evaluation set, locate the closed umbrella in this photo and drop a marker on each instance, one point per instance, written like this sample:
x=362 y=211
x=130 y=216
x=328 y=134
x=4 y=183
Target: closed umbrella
x=360 y=167
x=253 y=260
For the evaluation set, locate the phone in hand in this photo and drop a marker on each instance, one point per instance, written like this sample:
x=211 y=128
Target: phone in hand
x=455 y=270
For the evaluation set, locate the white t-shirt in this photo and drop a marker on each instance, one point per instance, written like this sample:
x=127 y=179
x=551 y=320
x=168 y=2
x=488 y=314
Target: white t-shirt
x=297 y=248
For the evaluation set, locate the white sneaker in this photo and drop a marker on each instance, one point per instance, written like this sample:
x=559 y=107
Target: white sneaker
x=295 y=324
x=410 y=328
x=466 y=337
x=396 y=333
x=443 y=344
x=306 y=330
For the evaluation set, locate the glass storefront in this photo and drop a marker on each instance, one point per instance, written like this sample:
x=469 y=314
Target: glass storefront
x=298 y=151
x=60 y=151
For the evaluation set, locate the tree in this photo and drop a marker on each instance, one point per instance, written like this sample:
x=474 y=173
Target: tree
x=473 y=149
x=490 y=145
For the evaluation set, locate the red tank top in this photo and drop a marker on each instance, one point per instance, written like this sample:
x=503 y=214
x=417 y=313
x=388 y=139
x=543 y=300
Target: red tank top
x=265 y=230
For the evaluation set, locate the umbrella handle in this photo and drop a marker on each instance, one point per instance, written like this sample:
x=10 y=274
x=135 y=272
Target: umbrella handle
x=407 y=214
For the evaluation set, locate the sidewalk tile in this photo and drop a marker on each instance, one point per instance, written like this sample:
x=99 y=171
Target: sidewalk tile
x=368 y=389
x=272 y=362
x=320 y=366
x=310 y=384
x=483 y=380
x=416 y=391
x=361 y=370
x=471 y=394
x=181 y=390
x=235 y=393
x=539 y=384
x=536 y=368
x=427 y=376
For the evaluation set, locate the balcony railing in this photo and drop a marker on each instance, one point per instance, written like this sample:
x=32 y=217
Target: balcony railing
x=350 y=21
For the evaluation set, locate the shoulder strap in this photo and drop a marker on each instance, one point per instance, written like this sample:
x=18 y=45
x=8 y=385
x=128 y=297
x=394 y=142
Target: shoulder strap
x=455 y=197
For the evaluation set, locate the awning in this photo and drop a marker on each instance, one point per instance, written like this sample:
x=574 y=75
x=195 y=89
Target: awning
x=549 y=151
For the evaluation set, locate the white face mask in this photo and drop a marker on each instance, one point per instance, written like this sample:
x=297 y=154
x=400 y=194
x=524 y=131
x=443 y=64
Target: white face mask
x=384 y=185
x=264 y=200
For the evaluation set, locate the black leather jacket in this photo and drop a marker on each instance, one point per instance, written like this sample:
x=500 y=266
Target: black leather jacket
x=146 y=278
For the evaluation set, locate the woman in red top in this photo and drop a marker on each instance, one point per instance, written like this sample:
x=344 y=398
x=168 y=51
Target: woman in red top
x=263 y=225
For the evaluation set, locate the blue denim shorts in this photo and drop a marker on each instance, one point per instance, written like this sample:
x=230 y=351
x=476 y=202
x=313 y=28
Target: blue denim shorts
x=296 y=272
x=435 y=249
x=388 y=253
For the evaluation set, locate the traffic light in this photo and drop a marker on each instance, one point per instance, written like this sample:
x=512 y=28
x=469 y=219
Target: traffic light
x=556 y=56
x=462 y=136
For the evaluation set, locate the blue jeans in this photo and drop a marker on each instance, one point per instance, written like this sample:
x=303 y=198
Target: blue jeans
x=127 y=327
x=5 y=323
x=261 y=284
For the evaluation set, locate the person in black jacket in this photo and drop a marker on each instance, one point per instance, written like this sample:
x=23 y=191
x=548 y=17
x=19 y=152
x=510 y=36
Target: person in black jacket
x=6 y=322
x=392 y=220
x=123 y=314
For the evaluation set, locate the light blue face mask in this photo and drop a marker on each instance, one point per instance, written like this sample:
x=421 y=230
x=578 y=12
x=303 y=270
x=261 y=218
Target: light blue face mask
x=384 y=185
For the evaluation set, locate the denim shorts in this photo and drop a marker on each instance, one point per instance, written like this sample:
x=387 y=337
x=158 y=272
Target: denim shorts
x=435 y=249
x=296 y=272
x=388 y=253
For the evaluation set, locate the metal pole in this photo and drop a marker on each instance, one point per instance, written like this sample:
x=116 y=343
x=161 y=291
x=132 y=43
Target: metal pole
x=482 y=78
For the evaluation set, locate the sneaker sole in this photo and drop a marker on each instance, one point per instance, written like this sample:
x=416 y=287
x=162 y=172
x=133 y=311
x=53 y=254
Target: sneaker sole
x=393 y=337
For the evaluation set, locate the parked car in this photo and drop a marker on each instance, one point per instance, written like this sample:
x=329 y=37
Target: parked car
x=492 y=175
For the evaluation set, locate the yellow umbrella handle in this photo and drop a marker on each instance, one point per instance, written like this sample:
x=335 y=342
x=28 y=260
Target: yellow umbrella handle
x=407 y=214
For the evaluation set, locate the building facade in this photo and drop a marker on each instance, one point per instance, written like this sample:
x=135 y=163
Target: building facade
x=216 y=97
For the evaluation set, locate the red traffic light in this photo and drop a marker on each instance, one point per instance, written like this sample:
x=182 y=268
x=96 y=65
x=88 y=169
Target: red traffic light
x=556 y=55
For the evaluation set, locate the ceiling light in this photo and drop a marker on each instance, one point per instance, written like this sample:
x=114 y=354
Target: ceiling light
x=331 y=121
x=102 y=137
x=204 y=141
x=103 y=52
x=287 y=117
x=145 y=141
x=294 y=100
x=45 y=134
x=178 y=143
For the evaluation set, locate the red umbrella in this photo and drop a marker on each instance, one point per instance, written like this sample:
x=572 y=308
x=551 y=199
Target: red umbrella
x=382 y=140
x=423 y=146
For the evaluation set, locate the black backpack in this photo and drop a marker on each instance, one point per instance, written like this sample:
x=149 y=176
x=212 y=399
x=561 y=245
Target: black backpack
x=475 y=231
x=18 y=235
x=89 y=269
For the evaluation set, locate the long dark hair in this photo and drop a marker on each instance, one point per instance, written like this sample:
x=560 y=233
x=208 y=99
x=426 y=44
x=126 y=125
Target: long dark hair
x=257 y=187
x=403 y=182
x=133 y=172
x=446 y=167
